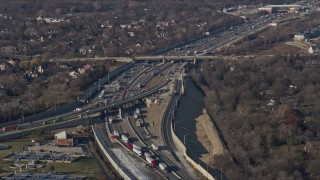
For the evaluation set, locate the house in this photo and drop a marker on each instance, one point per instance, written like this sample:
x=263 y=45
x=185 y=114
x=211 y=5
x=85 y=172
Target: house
x=271 y=102
x=314 y=49
x=3 y=67
x=31 y=74
x=60 y=139
x=40 y=70
x=131 y=34
x=40 y=18
x=85 y=50
x=8 y=50
x=299 y=37
x=3 y=92
x=87 y=67
x=123 y=26
x=73 y=74
x=12 y=62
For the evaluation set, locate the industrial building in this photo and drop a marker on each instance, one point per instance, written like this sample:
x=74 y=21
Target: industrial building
x=281 y=8
x=60 y=139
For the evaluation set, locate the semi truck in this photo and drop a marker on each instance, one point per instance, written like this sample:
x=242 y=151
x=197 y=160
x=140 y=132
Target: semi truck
x=10 y=128
x=136 y=146
x=154 y=147
x=138 y=110
x=130 y=146
x=116 y=133
x=139 y=123
x=151 y=161
x=113 y=136
x=111 y=119
x=163 y=167
x=137 y=151
x=136 y=115
x=147 y=154
x=125 y=138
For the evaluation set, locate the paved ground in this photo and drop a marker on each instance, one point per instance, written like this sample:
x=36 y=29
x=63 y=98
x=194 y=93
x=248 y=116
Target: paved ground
x=68 y=150
x=153 y=114
x=133 y=165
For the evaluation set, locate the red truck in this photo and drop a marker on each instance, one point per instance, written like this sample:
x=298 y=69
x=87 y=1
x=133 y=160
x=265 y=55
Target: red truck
x=10 y=128
x=151 y=161
x=130 y=146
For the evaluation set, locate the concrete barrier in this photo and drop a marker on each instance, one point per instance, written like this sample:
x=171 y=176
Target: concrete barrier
x=121 y=170
x=183 y=149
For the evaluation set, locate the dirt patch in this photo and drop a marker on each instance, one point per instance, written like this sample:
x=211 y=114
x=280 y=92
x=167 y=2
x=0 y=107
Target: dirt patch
x=280 y=48
x=153 y=117
x=208 y=137
x=303 y=45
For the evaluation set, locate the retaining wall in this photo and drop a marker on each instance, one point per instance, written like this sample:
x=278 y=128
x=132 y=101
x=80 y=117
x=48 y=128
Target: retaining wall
x=121 y=170
x=182 y=148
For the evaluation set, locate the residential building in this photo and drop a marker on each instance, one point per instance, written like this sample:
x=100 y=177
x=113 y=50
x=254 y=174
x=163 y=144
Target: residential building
x=85 y=50
x=314 y=49
x=299 y=37
x=73 y=74
x=87 y=67
x=3 y=67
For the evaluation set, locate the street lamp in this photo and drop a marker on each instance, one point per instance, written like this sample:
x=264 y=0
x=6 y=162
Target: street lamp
x=99 y=85
x=174 y=125
x=184 y=138
x=184 y=129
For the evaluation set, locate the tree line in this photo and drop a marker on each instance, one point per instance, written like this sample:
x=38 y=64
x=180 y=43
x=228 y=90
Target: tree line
x=268 y=112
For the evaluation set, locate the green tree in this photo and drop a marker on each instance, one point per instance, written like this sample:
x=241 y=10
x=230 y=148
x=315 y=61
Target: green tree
x=39 y=133
x=52 y=169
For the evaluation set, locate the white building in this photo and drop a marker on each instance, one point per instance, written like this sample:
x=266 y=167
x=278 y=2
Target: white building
x=314 y=49
x=299 y=37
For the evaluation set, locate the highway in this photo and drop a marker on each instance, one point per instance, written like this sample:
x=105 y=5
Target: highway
x=75 y=116
x=67 y=109
x=127 y=125
x=134 y=91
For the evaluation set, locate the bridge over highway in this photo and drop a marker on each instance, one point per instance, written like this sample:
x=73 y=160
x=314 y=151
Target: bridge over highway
x=166 y=57
x=143 y=58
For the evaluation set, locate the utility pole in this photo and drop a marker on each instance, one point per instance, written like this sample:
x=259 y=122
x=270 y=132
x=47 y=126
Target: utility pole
x=99 y=85
x=34 y=112
x=208 y=163
x=22 y=116
x=90 y=94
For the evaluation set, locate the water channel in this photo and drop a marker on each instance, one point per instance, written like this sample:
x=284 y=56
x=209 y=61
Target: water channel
x=190 y=107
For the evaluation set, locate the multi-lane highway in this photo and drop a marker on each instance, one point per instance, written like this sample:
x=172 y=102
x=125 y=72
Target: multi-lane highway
x=134 y=89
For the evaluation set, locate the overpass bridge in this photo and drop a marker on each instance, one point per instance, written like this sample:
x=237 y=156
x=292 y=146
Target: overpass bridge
x=191 y=58
x=185 y=58
x=144 y=58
